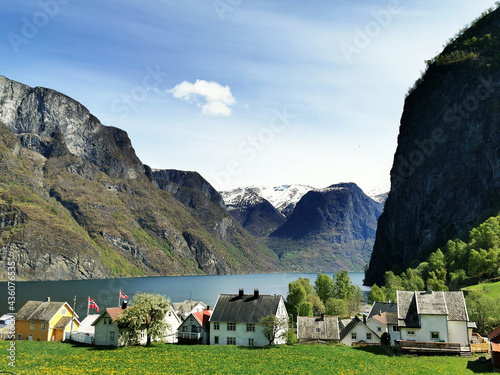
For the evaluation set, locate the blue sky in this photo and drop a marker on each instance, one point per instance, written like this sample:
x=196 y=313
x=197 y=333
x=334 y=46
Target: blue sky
x=246 y=92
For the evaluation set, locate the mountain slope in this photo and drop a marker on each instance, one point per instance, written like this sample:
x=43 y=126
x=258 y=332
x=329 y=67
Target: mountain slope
x=329 y=229
x=76 y=202
x=446 y=172
x=253 y=212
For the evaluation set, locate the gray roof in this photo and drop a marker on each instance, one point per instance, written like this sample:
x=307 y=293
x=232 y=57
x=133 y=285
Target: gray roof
x=382 y=307
x=185 y=307
x=348 y=328
x=413 y=304
x=38 y=310
x=318 y=328
x=247 y=309
x=63 y=322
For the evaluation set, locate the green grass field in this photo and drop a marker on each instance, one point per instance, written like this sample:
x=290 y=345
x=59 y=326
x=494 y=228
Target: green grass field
x=493 y=289
x=61 y=358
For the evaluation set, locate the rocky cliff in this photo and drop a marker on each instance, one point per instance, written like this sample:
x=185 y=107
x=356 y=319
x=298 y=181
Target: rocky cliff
x=446 y=172
x=76 y=202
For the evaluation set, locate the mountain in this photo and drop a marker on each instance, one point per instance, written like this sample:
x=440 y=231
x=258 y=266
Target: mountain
x=77 y=203
x=254 y=213
x=329 y=229
x=446 y=172
x=284 y=197
x=380 y=193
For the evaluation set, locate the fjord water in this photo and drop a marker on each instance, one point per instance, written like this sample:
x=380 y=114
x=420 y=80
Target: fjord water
x=178 y=288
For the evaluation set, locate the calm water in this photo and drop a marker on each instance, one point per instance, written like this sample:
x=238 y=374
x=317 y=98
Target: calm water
x=178 y=288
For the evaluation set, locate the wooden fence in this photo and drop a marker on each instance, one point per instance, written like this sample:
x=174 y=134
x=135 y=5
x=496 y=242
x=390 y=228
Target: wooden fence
x=483 y=347
x=429 y=347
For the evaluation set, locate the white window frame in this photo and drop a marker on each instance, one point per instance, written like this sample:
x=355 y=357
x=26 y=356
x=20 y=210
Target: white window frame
x=32 y=326
x=43 y=326
x=353 y=336
x=231 y=326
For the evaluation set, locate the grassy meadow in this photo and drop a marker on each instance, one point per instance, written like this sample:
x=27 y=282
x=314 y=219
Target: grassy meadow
x=62 y=358
x=492 y=289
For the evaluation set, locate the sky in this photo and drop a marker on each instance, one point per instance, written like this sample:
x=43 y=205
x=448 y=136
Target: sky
x=245 y=92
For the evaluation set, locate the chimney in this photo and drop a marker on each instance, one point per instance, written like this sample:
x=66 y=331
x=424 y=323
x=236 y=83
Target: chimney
x=47 y=299
x=322 y=317
x=256 y=293
x=241 y=293
x=124 y=305
x=429 y=288
x=208 y=308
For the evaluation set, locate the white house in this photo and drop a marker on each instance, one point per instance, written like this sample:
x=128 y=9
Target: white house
x=173 y=321
x=85 y=332
x=383 y=317
x=107 y=333
x=433 y=317
x=184 y=308
x=358 y=333
x=236 y=319
x=195 y=329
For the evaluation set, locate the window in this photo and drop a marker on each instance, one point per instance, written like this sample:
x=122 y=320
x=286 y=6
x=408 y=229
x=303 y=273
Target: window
x=184 y=328
x=379 y=329
x=231 y=326
x=368 y=336
x=216 y=340
x=250 y=342
x=231 y=341
x=43 y=326
x=318 y=329
x=143 y=335
x=32 y=326
x=353 y=336
x=105 y=321
x=410 y=332
x=19 y=337
x=395 y=328
x=112 y=336
x=216 y=325
x=435 y=335
x=250 y=327
x=64 y=311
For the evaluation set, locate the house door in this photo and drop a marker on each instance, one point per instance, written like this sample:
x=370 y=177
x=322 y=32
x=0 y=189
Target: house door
x=30 y=337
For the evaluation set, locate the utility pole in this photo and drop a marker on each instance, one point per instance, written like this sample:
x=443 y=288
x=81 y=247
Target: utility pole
x=72 y=319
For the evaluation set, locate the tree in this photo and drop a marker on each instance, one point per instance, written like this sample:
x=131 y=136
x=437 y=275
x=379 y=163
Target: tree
x=385 y=339
x=305 y=309
x=274 y=327
x=307 y=285
x=343 y=287
x=147 y=312
x=336 y=307
x=296 y=296
x=317 y=305
x=484 y=310
x=324 y=287
x=376 y=294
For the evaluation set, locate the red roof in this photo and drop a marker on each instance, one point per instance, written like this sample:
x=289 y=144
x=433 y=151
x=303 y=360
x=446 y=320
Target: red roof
x=494 y=334
x=203 y=318
x=114 y=312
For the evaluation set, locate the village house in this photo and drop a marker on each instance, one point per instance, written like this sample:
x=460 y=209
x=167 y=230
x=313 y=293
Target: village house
x=186 y=307
x=195 y=329
x=433 y=317
x=45 y=321
x=494 y=338
x=318 y=328
x=383 y=317
x=358 y=333
x=173 y=322
x=236 y=319
x=85 y=332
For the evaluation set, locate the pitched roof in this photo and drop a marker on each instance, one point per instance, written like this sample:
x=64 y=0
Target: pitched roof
x=245 y=309
x=203 y=317
x=63 y=322
x=387 y=318
x=382 y=307
x=185 y=307
x=113 y=313
x=318 y=328
x=413 y=304
x=354 y=322
x=42 y=311
x=494 y=334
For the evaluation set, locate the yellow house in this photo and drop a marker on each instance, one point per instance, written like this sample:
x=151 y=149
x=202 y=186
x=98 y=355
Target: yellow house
x=45 y=321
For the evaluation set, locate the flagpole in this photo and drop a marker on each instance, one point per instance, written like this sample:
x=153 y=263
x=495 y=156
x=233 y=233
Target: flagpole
x=88 y=305
x=119 y=296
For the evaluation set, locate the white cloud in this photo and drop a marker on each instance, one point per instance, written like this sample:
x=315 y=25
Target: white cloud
x=215 y=98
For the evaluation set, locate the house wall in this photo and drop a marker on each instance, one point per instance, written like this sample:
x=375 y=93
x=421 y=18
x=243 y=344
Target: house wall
x=395 y=335
x=428 y=324
x=173 y=322
x=23 y=329
x=377 y=326
x=102 y=332
x=457 y=332
x=53 y=322
x=361 y=332
x=241 y=334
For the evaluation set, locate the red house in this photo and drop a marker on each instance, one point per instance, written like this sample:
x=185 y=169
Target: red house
x=494 y=338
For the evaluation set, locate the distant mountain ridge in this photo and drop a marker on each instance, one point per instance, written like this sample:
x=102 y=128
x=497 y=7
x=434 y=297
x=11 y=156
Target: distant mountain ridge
x=328 y=229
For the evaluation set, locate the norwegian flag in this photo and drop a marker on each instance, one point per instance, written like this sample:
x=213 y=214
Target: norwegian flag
x=93 y=305
x=123 y=295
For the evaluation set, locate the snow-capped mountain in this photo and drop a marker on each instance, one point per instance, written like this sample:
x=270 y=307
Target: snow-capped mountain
x=284 y=197
x=379 y=194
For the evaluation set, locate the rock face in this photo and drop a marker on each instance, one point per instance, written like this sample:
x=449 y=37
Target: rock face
x=329 y=229
x=76 y=202
x=446 y=172
x=253 y=212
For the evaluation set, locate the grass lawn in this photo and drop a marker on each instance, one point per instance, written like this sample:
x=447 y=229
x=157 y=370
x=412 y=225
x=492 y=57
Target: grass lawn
x=493 y=289
x=61 y=358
